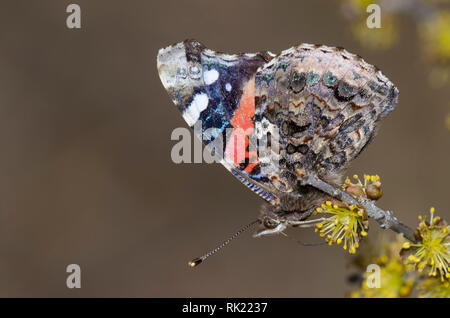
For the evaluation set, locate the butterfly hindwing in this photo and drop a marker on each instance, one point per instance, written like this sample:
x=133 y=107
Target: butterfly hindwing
x=325 y=103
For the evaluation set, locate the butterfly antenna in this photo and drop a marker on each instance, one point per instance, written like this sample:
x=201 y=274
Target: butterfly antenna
x=199 y=260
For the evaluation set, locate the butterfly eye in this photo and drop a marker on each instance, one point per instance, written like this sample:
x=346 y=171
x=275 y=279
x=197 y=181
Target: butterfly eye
x=269 y=223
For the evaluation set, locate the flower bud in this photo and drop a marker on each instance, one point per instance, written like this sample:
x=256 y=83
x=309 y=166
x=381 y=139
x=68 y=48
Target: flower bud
x=354 y=190
x=374 y=191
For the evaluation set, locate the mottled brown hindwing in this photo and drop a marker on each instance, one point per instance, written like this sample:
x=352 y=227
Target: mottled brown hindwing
x=325 y=103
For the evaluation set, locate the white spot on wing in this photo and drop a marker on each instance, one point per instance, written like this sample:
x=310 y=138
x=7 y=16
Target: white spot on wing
x=209 y=52
x=210 y=76
x=228 y=87
x=199 y=104
x=229 y=57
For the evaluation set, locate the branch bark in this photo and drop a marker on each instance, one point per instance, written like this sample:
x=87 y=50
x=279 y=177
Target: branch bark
x=386 y=219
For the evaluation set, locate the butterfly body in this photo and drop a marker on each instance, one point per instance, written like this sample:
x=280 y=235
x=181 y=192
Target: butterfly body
x=311 y=108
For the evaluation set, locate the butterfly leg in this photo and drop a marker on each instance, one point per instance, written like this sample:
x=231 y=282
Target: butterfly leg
x=386 y=219
x=306 y=223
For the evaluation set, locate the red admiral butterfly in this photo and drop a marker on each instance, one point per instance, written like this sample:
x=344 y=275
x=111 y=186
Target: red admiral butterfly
x=320 y=105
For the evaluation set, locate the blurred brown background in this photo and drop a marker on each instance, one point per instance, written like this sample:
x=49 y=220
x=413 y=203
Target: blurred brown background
x=85 y=170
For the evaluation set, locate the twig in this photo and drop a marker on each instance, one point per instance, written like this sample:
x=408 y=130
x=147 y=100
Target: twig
x=386 y=219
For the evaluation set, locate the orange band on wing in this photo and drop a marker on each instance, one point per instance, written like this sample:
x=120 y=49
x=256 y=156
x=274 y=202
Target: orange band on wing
x=244 y=113
x=243 y=126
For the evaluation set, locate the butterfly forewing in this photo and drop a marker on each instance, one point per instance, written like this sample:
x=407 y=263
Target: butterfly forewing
x=216 y=91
